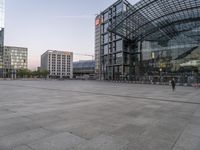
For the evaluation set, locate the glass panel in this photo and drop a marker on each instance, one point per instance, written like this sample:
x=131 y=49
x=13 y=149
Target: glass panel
x=105 y=49
x=119 y=8
x=119 y=45
x=105 y=38
x=105 y=16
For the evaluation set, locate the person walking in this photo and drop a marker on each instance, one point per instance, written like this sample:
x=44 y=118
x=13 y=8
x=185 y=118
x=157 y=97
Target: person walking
x=173 y=83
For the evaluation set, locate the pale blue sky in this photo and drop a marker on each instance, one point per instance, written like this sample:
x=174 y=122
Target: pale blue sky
x=40 y=25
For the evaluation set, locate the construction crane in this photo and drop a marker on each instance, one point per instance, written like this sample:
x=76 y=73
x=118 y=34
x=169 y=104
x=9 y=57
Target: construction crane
x=79 y=54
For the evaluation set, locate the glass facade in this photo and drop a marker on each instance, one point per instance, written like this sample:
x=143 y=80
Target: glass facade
x=111 y=46
x=2 y=9
x=14 y=58
x=84 y=67
x=98 y=21
x=161 y=40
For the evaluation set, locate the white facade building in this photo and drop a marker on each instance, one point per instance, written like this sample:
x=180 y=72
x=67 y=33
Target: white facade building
x=58 y=63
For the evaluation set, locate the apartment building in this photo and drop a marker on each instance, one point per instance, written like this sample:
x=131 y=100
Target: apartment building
x=58 y=63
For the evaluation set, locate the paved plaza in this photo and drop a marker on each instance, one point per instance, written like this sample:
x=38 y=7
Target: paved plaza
x=94 y=115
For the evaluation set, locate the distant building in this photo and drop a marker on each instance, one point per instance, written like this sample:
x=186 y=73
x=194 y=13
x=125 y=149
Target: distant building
x=14 y=58
x=98 y=22
x=58 y=63
x=2 y=10
x=84 y=69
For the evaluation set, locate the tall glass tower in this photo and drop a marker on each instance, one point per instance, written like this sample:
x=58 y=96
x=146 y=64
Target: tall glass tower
x=111 y=60
x=2 y=11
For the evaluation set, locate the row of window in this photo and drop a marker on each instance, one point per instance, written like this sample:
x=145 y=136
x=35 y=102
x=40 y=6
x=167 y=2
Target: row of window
x=113 y=47
x=58 y=67
x=60 y=61
x=60 y=71
x=114 y=11
x=105 y=38
x=61 y=74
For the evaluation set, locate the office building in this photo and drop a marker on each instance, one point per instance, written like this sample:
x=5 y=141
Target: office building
x=2 y=10
x=14 y=58
x=155 y=40
x=97 y=44
x=109 y=46
x=58 y=63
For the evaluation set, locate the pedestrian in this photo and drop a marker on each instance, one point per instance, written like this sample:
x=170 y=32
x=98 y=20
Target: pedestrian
x=173 y=83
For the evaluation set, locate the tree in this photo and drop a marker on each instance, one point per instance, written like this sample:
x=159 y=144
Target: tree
x=44 y=73
x=25 y=73
x=35 y=73
x=22 y=73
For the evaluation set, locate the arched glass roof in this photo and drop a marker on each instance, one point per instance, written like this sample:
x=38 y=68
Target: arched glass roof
x=160 y=20
x=84 y=64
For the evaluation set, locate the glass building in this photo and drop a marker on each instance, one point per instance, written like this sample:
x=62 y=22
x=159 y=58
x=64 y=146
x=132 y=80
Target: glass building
x=98 y=22
x=14 y=58
x=109 y=46
x=2 y=9
x=84 y=69
x=160 y=40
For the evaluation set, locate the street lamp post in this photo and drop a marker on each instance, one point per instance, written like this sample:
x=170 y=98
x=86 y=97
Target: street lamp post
x=160 y=74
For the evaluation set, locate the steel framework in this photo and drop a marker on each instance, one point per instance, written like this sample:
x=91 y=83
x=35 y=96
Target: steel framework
x=159 y=20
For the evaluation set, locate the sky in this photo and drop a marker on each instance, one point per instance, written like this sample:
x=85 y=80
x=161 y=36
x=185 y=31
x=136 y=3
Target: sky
x=42 y=25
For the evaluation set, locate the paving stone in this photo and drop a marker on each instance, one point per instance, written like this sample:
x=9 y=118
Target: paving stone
x=11 y=141
x=193 y=129
x=146 y=143
x=129 y=131
x=188 y=142
x=61 y=141
x=103 y=142
x=23 y=147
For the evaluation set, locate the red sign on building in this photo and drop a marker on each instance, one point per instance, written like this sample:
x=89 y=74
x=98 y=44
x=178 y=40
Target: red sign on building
x=98 y=21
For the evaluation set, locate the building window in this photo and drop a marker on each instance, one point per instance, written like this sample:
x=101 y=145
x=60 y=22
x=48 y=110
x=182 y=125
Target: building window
x=119 y=45
x=105 y=27
x=119 y=8
x=105 y=49
x=105 y=38
x=119 y=58
x=105 y=16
